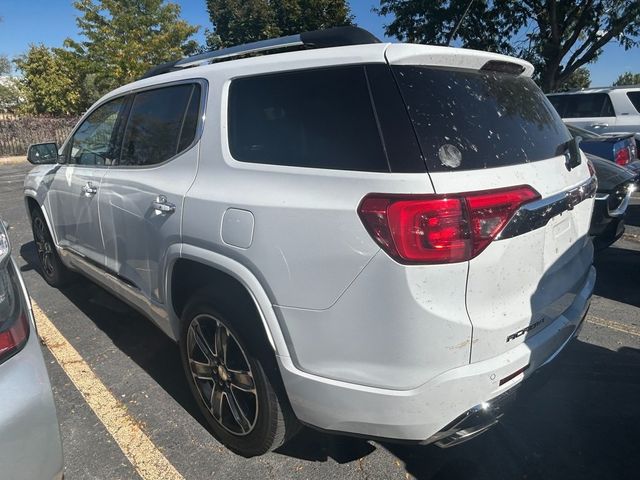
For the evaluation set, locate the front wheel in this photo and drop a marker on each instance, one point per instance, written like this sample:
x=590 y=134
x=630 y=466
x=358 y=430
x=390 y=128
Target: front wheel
x=51 y=267
x=232 y=382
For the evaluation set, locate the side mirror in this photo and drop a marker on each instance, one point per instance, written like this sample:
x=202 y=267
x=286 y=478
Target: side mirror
x=43 y=153
x=574 y=159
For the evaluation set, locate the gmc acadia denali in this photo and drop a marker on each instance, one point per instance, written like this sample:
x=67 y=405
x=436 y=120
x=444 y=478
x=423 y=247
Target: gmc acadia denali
x=369 y=238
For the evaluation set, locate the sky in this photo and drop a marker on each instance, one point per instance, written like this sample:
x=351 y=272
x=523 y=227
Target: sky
x=51 y=21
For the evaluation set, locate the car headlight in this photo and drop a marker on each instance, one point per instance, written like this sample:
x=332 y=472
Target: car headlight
x=14 y=323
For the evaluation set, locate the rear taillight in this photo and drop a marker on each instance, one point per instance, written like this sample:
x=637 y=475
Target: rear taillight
x=623 y=156
x=440 y=228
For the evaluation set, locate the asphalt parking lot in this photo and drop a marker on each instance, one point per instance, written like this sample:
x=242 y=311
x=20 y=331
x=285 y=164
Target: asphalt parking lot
x=583 y=423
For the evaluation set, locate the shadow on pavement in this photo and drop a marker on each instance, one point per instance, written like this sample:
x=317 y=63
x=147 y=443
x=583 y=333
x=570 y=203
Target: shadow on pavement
x=583 y=423
x=618 y=272
x=633 y=215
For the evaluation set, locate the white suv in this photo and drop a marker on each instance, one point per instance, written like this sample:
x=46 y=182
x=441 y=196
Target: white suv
x=601 y=110
x=370 y=238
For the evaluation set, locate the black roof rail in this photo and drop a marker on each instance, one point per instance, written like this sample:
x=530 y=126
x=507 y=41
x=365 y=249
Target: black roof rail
x=331 y=37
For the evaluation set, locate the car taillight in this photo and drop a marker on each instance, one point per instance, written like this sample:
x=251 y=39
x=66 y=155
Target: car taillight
x=623 y=156
x=14 y=324
x=440 y=228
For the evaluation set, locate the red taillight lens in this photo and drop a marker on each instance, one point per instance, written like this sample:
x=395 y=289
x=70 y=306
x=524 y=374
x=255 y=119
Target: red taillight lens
x=14 y=337
x=623 y=156
x=438 y=228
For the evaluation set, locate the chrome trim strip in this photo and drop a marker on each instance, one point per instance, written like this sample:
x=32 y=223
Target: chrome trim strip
x=622 y=208
x=534 y=215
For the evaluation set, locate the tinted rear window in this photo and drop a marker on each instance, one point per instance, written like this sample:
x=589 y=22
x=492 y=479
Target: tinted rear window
x=635 y=99
x=161 y=124
x=321 y=118
x=583 y=105
x=468 y=120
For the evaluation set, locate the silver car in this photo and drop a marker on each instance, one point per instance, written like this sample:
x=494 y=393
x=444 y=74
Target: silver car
x=30 y=446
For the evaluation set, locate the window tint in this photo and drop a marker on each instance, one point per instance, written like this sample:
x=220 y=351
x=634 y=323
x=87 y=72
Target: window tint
x=588 y=105
x=469 y=119
x=635 y=99
x=559 y=102
x=158 y=122
x=93 y=141
x=319 y=118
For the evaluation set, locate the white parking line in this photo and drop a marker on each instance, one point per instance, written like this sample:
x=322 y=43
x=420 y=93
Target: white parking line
x=143 y=454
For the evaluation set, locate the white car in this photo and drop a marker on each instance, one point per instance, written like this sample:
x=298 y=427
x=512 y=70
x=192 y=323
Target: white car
x=601 y=110
x=371 y=238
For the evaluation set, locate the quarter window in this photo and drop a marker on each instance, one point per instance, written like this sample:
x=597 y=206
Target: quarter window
x=161 y=124
x=635 y=99
x=320 y=118
x=93 y=141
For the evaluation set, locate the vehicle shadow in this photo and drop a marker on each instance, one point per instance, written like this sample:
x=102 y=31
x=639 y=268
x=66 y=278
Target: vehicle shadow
x=618 y=270
x=632 y=216
x=584 y=422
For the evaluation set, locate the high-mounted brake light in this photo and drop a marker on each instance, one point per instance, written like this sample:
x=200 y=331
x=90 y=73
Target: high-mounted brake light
x=440 y=228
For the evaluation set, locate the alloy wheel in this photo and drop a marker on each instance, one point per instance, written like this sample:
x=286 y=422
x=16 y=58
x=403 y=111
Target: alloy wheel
x=222 y=375
x=44 y=246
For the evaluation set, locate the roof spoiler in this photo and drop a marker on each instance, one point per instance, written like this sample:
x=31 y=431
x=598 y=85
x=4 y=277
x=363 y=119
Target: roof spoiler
x=331 y=37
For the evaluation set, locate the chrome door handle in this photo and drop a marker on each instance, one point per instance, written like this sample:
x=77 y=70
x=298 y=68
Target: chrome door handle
x=89 y=190
x=162 y=206
x=599 y=125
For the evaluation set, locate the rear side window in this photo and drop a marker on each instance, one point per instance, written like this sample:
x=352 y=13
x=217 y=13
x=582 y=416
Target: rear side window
x=320 y=118
x=588 y=105
x=635 y=99
x=469 y=119
x=161 y=124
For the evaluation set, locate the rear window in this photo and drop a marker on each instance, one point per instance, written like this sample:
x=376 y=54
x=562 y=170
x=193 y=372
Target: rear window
x=635 y=99
x=468 y=120
x=320 y=118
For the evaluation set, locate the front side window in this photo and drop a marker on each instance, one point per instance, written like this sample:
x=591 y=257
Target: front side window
x=161 y=124
x=93 y=141
x=319 y=118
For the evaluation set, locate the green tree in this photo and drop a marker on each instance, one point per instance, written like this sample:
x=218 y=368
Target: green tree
x=241 y=21
x=579 y=79
x=5 y=65
x=124 y=38
x=627 y=78
x=557 y=36
x=47 y=82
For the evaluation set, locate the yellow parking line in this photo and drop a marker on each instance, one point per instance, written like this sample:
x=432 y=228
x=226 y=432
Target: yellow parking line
x=620 y=327
x=149 y=462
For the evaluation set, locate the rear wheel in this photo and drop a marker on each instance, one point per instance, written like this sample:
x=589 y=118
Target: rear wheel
x=51 y=267
x=233 y=381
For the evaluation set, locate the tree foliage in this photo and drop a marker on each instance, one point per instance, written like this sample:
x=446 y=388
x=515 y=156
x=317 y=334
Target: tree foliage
x=5 y=65
x=241 y=21
x=48 y=82
x=579 y=79
x=627 y=78
x=124 y=38
x=557 y=36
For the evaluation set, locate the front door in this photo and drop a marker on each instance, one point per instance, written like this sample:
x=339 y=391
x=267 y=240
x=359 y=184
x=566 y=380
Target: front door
x=141 y=196
x=74 y=191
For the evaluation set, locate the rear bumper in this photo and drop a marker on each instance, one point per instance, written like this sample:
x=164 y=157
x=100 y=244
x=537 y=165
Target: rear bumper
x=424 y=413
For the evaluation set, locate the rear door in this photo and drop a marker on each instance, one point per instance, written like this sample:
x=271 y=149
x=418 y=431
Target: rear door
x=482 y=129
x=142 y=193
x=591 y=111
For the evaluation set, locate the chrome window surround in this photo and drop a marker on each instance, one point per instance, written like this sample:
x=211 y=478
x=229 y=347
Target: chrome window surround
x=534 y=215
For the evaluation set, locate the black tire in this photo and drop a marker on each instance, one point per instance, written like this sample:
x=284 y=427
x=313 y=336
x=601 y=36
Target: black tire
x=266 y=419
x=51 y=267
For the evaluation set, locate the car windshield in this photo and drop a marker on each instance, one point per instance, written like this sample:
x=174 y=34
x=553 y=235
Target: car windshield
x=469 y=119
